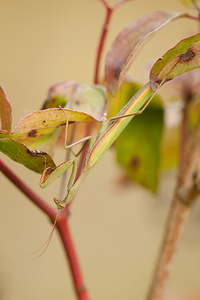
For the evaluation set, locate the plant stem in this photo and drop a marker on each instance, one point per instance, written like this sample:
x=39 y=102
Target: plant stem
x=188 y=188
x=62 y=226
x=65 y=236
x=183 y=140
x=109 y=10
x=175 y=225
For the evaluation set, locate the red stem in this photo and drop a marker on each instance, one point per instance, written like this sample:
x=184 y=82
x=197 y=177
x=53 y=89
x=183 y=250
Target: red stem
x=104 y=32
x=65 y=236
x=109 y=10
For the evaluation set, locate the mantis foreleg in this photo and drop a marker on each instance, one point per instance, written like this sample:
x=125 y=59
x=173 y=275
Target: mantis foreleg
x=50 y=174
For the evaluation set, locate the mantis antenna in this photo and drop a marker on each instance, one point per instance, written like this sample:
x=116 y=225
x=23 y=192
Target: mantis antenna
x=47 y=242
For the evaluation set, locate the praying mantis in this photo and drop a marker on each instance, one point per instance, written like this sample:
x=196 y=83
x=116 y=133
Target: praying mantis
x=110 y=130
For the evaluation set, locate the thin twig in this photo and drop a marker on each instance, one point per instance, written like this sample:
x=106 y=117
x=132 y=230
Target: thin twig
x=104 y=32
x=109 y=10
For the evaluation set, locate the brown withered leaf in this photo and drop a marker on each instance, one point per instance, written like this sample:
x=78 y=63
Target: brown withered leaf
x=123 y=50
x=5 y=111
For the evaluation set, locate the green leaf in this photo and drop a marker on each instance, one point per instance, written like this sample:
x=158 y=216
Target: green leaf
x=4 y=134
x=33 y=160
x=170 y=147
x=5 y=111
x=54 y=102
x=124 y=94
x=123 y=50
x=90 y=99
x=185 y=56
x=138 y=146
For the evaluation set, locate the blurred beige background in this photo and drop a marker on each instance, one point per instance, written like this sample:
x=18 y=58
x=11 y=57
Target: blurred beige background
x=117 y=231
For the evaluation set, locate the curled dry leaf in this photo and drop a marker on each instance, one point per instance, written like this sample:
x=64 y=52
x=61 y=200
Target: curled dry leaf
x=185 y=56
x=123 y=50
x=5 y=111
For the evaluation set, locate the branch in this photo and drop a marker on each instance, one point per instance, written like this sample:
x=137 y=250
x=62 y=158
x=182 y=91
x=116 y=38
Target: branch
x=186 y=193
